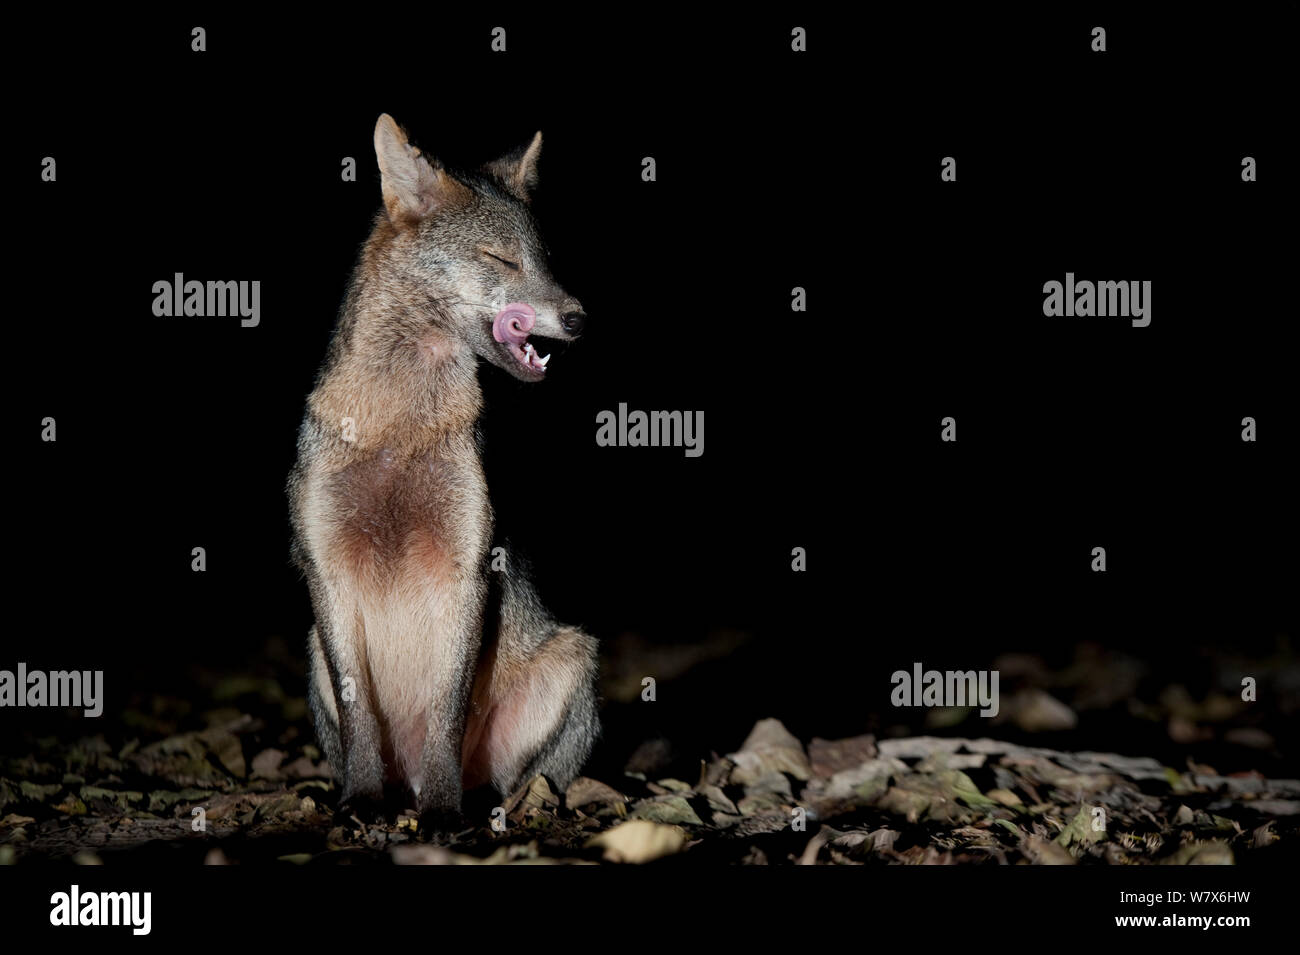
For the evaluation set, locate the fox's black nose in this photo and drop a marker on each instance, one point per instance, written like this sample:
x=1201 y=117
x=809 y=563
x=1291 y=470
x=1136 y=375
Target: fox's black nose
x=573 y=322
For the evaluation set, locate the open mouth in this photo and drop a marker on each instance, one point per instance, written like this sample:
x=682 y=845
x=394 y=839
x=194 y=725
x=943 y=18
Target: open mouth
x=530 y=355
x=511 y=328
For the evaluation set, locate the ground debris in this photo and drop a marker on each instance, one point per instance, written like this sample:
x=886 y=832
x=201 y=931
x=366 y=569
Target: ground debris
x=249 y=787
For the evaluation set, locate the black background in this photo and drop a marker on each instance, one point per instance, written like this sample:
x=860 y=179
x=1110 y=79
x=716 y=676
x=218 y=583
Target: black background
x=775 y=170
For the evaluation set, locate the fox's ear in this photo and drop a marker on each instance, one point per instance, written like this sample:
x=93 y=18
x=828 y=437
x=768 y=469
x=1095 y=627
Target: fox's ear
x=413 y=187
x=518 y=170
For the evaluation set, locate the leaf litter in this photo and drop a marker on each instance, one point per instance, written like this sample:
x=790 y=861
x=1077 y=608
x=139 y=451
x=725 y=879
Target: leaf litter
x=264 y=795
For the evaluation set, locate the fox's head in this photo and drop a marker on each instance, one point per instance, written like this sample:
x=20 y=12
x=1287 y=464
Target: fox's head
x=467 y=243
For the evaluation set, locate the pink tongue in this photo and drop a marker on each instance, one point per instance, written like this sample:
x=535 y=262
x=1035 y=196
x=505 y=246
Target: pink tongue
x=513 y=323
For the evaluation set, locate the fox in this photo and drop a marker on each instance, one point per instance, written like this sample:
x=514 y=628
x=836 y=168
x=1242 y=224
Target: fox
x=433 y=669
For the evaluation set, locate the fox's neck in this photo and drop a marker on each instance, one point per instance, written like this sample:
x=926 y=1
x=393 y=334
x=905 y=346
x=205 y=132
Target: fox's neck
x=404 y=383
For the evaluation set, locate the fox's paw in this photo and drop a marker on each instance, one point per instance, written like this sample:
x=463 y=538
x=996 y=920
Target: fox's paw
x=441 y=826
x=365 y=809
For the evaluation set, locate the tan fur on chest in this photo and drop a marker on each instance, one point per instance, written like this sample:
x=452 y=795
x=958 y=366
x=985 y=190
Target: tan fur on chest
x=405 y=530
x=392 y=521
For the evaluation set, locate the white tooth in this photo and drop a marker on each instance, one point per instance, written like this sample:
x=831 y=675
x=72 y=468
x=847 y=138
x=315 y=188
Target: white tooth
x=543 y=361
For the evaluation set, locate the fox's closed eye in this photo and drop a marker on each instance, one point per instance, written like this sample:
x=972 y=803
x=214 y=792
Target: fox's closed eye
x=506 y=262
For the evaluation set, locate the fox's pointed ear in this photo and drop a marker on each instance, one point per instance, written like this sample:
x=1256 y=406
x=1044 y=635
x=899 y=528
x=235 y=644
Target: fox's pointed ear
x=518 y=170
x=413 y=186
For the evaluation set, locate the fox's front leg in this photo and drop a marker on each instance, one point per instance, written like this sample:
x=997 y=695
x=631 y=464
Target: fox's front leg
x=341 y=630
x=440 y=785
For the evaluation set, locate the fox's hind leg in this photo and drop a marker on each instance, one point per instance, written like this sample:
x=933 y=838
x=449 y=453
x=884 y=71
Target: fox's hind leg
x=533 y=708
x=535 y=714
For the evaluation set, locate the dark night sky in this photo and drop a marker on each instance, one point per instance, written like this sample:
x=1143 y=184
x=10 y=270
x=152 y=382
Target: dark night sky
x=822 y=428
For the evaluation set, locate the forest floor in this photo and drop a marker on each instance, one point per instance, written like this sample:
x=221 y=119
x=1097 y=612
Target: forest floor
x=238 y=779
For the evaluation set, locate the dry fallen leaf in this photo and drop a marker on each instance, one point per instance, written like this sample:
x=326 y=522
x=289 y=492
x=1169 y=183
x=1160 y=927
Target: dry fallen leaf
x=639 y=841
x=769 y=747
